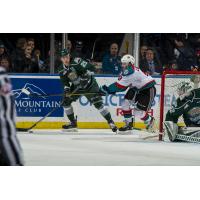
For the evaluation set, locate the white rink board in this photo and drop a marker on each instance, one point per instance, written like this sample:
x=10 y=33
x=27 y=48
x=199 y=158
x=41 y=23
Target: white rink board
x=88 y=113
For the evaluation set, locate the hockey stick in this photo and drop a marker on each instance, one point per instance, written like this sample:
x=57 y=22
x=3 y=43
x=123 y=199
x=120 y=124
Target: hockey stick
x=48 y=114
x=35 y=124
x=93 y=48
x=25 y=91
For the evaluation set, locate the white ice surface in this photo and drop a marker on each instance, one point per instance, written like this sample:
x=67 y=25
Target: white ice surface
x=101 y=147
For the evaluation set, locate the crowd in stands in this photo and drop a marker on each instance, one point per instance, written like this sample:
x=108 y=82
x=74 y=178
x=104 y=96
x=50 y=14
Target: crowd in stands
x=158 y=52
x=172 y=52
x=24 y=59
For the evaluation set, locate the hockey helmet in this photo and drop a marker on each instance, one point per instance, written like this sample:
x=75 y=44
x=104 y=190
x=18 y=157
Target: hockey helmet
x=64 y=52
x=128 y=59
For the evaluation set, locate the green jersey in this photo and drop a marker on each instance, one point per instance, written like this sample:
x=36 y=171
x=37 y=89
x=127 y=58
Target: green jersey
x=189 y=108
x=77 y=74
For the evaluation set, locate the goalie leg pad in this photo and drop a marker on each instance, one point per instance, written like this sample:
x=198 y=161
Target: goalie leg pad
x=170 y=131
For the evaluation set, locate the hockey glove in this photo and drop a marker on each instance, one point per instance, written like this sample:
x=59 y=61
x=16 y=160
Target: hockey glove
x=84 y=82
x=67 y=90
x=104 y=90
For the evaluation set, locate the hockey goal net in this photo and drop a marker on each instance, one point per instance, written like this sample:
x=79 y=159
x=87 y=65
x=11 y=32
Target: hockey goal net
x=168 y=95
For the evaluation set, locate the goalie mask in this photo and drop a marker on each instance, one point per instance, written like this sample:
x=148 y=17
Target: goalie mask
x=184 y=89
x=127 y=60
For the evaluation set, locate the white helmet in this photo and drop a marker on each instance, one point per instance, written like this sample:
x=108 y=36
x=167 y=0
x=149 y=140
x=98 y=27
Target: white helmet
x=128 y=59
x=184 y=89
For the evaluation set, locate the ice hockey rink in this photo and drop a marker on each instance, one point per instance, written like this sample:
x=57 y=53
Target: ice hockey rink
x=100 y=147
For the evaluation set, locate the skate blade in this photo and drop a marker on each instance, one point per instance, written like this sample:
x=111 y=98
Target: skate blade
x=129 y=132
x=70 y=130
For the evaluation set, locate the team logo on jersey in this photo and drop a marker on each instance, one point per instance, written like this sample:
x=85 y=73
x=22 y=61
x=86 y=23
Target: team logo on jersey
x=126 y=72
x=77 y=60
x=72 y=76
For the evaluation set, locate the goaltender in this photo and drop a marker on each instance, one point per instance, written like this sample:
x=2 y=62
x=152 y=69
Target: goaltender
x=187 y=106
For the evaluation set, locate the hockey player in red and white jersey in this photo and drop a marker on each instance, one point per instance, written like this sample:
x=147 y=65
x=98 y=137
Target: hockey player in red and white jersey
x=141 y=93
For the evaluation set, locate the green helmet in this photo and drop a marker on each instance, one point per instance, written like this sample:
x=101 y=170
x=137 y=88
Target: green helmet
x=64 y=52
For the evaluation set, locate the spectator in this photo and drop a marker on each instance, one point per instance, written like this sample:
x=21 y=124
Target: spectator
x=78 y=50
x=3 y=51
x=143 y=50
x=112 y=61
x=18 y=54
x=150 y=65
x=37 y=59
x=31 y=43
x=69 y=45
x=172 y=65
x=184 y=54
x=30 y=65
x=26 y=63
x=6 y=63
x=197 y=62
x=21 y=44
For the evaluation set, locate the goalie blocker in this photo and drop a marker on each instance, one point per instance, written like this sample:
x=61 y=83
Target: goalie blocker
x=174 y=133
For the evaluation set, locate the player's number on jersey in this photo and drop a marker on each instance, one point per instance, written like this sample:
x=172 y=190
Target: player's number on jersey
x=83 y=63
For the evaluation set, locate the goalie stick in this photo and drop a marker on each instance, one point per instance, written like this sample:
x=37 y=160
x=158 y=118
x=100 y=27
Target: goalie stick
x=48 y=114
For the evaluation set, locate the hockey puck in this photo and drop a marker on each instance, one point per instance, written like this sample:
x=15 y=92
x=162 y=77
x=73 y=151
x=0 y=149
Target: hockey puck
x=30 y=131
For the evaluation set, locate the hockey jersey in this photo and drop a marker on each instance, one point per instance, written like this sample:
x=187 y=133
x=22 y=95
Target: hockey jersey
x=189 y=108
x=134 y=78
x=78 y=70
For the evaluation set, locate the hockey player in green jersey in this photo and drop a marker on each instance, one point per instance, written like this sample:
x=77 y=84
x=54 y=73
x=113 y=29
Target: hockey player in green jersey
x=76 y=75
x=187 y=106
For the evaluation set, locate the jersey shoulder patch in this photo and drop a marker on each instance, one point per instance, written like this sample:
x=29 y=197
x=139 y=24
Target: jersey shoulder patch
x=128 y=71
x=77 y=60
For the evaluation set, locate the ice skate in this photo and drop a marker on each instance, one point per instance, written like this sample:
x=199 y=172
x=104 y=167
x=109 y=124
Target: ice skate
x=70 y=127
x=113 y=126
x=150 y=125
x=127 y=129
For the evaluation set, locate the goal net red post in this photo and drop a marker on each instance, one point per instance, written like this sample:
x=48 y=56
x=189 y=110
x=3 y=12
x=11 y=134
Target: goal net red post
x=169 y=83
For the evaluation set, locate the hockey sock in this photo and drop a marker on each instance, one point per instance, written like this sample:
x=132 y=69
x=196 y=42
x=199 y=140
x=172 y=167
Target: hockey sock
x=70 y=113
x=127 y=116
x=106 y=114
x=147 y=118
x=71 y=117
x=143 y=115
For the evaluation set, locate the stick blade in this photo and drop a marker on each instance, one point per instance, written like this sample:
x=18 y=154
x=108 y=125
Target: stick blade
x=22 y=129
